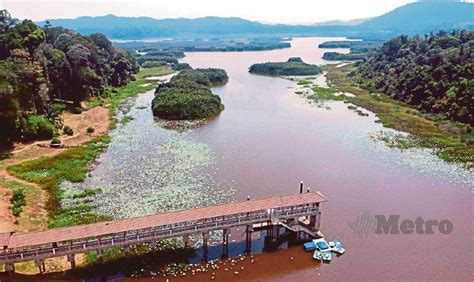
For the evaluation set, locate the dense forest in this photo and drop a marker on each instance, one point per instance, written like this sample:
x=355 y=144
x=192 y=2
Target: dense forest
x=434 y=73
x=294 y=66
x=356 y=46
x=188 y=95
x=44 y=69
x=358 y=49
x=335 y=56
x=207 y=77
x=213 y=44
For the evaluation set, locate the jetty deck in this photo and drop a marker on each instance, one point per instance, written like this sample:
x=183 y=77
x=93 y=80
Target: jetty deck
x=37 y=246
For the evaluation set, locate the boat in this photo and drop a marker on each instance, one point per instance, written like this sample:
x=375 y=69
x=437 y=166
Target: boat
x=323 y=249
x=318 y=255
x=327 y=256
x=309 y=246
x=321 y=244
x=338 y=247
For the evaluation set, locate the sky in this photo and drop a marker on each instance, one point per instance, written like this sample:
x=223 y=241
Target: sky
x=267 y=11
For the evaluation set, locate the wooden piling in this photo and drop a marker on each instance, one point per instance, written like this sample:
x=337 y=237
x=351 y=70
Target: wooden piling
x=72 y=260
x=205 y=240
x=248 y=239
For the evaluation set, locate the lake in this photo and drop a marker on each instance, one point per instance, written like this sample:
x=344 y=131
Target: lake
x=264 y=143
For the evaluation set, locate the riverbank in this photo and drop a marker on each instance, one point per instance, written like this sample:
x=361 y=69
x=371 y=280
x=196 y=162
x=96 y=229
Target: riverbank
x=39 y=169
x=424 y=132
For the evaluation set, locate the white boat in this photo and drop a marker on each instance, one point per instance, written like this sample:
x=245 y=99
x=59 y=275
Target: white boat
x=318 y=255
x=327 y=256
x=338 y=247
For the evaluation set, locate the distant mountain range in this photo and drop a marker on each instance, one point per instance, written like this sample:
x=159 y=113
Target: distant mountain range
x=414 y=18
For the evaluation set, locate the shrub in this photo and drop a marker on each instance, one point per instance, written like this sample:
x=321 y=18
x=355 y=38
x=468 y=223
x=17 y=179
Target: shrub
x=67 y=130
x=55 y=141
x=90 y=130
x=182 y=66
x=57 y=108
x=18 y=201
x=76 y=110
x=38 y=127
x=295 y=59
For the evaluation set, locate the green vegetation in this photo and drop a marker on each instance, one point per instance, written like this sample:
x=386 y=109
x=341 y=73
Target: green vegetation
x=169 y=257
x=207 y=77
x=76 y=110
x=18 y=201
x=154 y=71
x=188 y=95
x=71 y=164
x=222 y=44
x=325 y=94
x=185 y=99
x=49 y=172
x=115 y=96
x=68 y=130
x=294 y=66
x=362 y=46
x=37 y=127
x=359 y=49
x=435 y=74
x=304 y=82
x=126 y=119
x=335 y=56
x=40 y=66
x=87 y=193
x=181 y=66
x=429 y=133
x=146 y=57
x=24 y=203
x=55 y=141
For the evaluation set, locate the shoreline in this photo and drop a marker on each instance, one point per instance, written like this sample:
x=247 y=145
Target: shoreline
x=38 y=214
x=423 y=132
x=335 y=87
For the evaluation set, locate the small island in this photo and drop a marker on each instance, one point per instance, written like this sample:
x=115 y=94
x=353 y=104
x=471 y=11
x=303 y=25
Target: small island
x=294 y=66
x=188 y=95
x=207 y=77
x=335 y=56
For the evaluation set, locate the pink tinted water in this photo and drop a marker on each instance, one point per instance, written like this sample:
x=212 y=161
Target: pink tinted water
x=268 y=139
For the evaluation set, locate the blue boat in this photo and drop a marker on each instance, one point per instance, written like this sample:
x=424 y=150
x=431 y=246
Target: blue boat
x=310 y=246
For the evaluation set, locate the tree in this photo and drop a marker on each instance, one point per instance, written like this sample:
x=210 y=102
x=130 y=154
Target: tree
x=38 y=65
x=433 y=75
x=9 y=105
x=102 y=42
x=6 y=21
x=56 y=69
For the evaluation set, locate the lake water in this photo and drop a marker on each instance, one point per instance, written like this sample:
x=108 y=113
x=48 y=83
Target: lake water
x=264 y=143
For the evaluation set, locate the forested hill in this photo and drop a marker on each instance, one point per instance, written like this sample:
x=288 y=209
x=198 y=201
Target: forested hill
x=43 y=69
x=434 y=72
x=413 y=18
x=422 y=17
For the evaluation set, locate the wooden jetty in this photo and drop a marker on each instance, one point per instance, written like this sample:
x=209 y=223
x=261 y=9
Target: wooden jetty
x=275 y=211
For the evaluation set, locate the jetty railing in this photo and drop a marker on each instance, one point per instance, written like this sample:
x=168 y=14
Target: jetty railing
x=69 y=241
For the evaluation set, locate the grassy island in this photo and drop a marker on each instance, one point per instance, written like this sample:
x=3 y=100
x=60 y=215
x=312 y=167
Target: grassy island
x=188 y=95
x=294 y=66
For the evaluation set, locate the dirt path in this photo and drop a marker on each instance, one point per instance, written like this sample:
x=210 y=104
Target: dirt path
x=34 y=216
